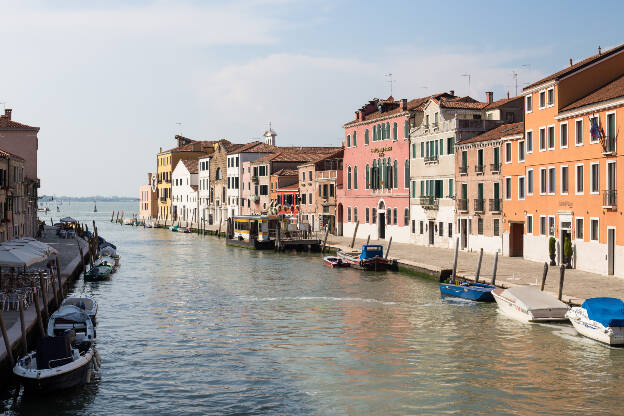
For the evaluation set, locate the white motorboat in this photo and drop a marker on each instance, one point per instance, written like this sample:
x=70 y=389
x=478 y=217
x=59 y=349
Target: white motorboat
x=59 y=362
x=70 y=317
x=84 y=302
x=528 y=304
x=109 y=251
x=107 y=260
x=601 y=319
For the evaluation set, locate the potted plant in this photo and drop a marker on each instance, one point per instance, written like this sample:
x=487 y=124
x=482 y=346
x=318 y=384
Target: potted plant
x=567 y=252
x=551 y=250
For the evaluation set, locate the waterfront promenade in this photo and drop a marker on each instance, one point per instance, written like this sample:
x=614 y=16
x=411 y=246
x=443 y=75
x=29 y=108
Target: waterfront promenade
x=69 y=259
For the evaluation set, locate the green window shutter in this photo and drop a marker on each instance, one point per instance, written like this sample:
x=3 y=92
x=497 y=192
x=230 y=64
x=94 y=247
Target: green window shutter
x=395 y=133
x=441 y=147
x=452 y=145
x=348 y=140
x=354 y=138
x=422 y=149
x=422 y=188
x=366 y=137
x=395 y=182
x=367 y=176
x=450 y=187
x=355 y=178
x=413 y=150
x=406 y=128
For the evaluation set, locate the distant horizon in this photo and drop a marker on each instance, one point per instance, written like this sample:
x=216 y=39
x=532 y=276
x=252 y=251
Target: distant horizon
x=102 y=198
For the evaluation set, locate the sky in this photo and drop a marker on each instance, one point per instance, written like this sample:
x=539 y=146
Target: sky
x=111 y=82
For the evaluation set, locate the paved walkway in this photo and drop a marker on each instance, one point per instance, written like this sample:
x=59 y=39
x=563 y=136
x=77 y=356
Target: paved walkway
x=511 y=271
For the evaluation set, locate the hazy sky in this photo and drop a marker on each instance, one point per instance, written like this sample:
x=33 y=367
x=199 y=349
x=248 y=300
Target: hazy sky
x=108 y=82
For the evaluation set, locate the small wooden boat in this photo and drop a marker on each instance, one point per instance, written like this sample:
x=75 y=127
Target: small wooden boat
x=174 y=228
x=107 y=260
x=332 y=261
x=101 y=272
x=60 y=362
x=370 y=258
x=86 y=303
x=528 y=304
x=479 y=292
x=601 y=319
x=70 y=317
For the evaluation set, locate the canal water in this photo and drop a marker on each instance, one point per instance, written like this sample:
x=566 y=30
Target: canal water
x=190 y=326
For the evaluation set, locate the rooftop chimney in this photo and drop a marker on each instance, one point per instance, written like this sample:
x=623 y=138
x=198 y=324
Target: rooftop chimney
x=7 y=113
x=452 y=92
x=489 y=97
x=507 y=94
x=599 y=50
x=403 y=104
x=149 y=178
x=570 y=61
x=358 y=115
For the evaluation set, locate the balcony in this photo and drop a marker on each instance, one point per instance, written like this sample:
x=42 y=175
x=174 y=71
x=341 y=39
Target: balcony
x=609 y=199
x=608 y=147
x=495 y=205
x=431 y=159
x=479 y=205
x=495 y=167
x=428 y=202
x=462 y=205
x=479 y=169
x=463 y=170
x=254 y=178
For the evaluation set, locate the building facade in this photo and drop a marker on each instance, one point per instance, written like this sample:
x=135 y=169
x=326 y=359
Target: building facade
x=20 y=140
x=571 y=148
x=203 y=189
x=184 y=191
x=148 y=202
x=284 y=192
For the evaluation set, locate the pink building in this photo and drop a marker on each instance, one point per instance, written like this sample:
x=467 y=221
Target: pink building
x=375 y=189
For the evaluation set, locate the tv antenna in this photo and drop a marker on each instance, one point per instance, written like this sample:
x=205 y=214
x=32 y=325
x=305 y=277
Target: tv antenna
x=514 y=74
x=469 y=76
x=390 y=81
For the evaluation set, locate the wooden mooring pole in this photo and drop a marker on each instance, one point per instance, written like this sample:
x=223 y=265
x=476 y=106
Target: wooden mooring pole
x=357 y=224
x=368 y=239
x=561 y=277
x=388 y=248
x=494 y=269
x=23 y=326
x=7 y=343
x=44 y=295
x=39 y=318
x=455 y=259
x=544 y=273
x=479 y=266
x=112 y=216
x=325 y=240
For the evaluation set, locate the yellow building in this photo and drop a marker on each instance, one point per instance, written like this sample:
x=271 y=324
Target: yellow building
x=166 y=162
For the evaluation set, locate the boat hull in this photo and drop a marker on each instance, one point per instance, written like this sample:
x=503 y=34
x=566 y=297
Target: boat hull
x=376 y=264
x=511 y=310
x=477 y=292
x=331 y=261
x=59 y=378
x=595 y=330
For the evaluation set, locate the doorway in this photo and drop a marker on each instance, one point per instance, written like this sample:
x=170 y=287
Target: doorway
x=464 y=233
x=431 y=232
x=516 y=237
x=340 y=220
x=611 y=251
x=382 y=224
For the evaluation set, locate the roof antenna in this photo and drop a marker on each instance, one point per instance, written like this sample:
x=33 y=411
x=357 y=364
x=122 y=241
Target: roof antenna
x=469 y=76
x=390 y=81
x=515 y=77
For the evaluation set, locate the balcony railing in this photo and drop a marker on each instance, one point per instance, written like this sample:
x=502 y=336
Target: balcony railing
x=429 y=159
x=463 y=170
x=609 y=146
x=462 y=205
x=254 y=179
x=428 y=201
x=495 y=205
x=479 y=169
x=609 y=199
x=495 y=167
x=479 y=205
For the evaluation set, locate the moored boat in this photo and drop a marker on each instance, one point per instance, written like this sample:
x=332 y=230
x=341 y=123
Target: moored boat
x=332 y=261
x=601 y=319
x=370 y=258
x=528 y=304
x=479 y=292
x=84 y=302
x=100 y=272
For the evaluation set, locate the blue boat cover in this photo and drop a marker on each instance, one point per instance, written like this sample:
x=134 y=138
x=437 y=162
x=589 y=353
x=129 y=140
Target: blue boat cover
x=607 y=311
x=370 y=251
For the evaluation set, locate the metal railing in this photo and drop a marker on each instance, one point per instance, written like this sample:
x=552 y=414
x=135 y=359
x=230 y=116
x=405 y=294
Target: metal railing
x=479 y=168
x=495 y=167
x=433 y=158
x=609 y=198
x=479 y=205
x=463 y=170
x=428 y=201
x=462 y=205
x=495 y=205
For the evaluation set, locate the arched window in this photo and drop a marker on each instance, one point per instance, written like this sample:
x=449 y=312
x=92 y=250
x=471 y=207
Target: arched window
x=374 y=175
x=406 y=172
x=348 y=140
x=388 y=174
x=219 y=174
x=349 y=177
x=355 y=178
x=387 y=130
x=395 y=180
x=354 y=139
x=367 y=179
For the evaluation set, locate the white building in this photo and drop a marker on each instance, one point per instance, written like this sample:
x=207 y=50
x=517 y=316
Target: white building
x=184 y=191
x=203 y=189
x=235 y=159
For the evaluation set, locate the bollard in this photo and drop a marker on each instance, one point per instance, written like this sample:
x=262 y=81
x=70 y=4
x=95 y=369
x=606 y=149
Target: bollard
x=561 y=277
x=544 y=276
x=479 y=266
x=494 y=269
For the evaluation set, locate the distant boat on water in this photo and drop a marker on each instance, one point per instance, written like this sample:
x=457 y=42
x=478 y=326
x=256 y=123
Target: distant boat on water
x=94 y=206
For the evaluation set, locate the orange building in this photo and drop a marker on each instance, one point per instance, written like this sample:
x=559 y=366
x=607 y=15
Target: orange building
x=559 y=179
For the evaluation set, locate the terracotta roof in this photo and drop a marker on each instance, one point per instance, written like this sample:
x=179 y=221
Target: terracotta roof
x=502 y=102
x=294 y=186
x=5 y=154
x=496 y=133
x=412 y=105
x=577 y=66
x=613 y=89
x=286 y=172
x=7 y=124
x=461 y=103
x=205 y=145
x=191 y=164
x=298 y=154
x=257 y=147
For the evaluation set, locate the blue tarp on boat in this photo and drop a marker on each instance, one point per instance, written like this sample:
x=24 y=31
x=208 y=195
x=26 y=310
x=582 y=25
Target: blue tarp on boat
x=607 y=311
x=370 y=251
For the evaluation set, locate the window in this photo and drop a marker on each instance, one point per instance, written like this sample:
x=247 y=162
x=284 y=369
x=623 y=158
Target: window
x=542 y=99
x=303 y=199
x=521 y=187
x=395 y=132
x=564 y=179
x=441 y=229
x=349 y=214
x=395 y=216
x=551 y=226
x=450 y=188
x=421 y=227
x=355 y=178
x=551 y=180
x=550 y=97
x=310 y=198
x=563 y=130
x=551 y=137
x=388 y=216
x=450 y=229
x=542 y=139
x=395 y=181
x=406 y=216
x=480 y=226
x=508 y=152
x=374 y=215
x=529 y=141
x=578 y=124
x=413 y=226
x=355 y=216
x=579 y=179
x=366 y=137
x=579 y=228
x=349 y=177
x=406 y=129
x=521 y=151
x=529 y=103
x=593 y=121
x=593 y=230
x=542 y=225
x=594 y=180
x=354 y=139
x=542 y=181
x=302 y=176
x=529 y=180
x=264 y=189
x=348 y=140
x=406 y=174
x=496 y=227
x=450 y=145
x=508 y=188
x=529 y=224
